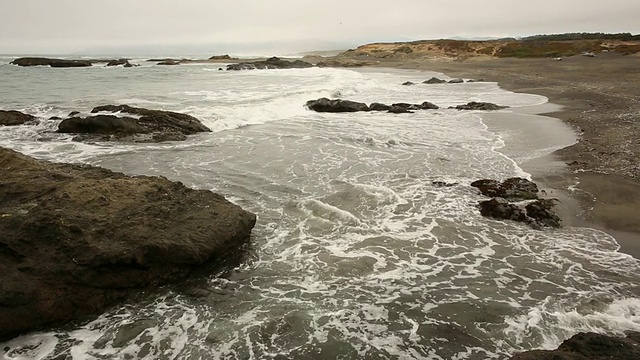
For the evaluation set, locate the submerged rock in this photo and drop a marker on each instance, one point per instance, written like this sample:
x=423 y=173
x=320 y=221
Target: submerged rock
x=37 y=61
x=13 y=117
x=479 y=106
x=337 y=105
x=589 y=346
x=408 y=83
x=77 y=239
x=271 y=63
x=150 y=126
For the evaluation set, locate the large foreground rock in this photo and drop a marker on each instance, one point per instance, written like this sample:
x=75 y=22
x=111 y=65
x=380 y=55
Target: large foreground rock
x=147 y=125
x=13 y=117
x=589 y=346
x=78 y=239
x=271 y=63
x=37 y=61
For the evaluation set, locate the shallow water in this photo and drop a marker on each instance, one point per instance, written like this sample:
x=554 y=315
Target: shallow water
x=356 y=253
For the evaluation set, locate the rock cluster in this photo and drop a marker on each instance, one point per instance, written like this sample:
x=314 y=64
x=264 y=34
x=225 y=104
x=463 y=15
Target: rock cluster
x=271 y=63
x=508 y=202
x=37 y=61
x=78 y=239
x=339 y=105
x=148 y=126
x=118 y=62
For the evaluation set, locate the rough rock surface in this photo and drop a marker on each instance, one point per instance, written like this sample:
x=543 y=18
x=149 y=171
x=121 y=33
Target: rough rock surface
x=514 y=189
x=271 y=63
x=151 y=126
x=434 y=80
x=456 y=81
x=337 y=105
x=13 y=117
x=118 y=62
x=538 y=213
x=379 y=107
x=478 y=106
x=37 y=61
x=589 y=346
x=78 y=239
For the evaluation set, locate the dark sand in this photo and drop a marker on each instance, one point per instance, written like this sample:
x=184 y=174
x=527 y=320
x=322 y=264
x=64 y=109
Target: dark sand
x=601 y=99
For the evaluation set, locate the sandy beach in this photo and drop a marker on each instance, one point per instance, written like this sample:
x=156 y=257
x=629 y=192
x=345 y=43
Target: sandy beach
x=600 y=98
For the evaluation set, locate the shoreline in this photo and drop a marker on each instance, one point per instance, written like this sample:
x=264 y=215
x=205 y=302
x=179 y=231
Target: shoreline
x=597 y=98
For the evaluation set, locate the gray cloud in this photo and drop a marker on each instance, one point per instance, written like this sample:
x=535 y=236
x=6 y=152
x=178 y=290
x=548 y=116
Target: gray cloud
x=43 y=26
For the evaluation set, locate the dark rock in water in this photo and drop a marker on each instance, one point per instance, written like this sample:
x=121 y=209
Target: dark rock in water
x=123 y=62
x=514 y=189
x=55 y=118
x=78 y=239
x=13 y=117
x=589 y=346
x=408 y=83
x=479 y=106
x=443 y=184
x=395 y=109
x=541 y=211
x=271 y=63
x=434 y=80
x=428 y=106
x=155 y=125
x=379 y=107
x=424 y=106
x=220 y=69
x=221 y=57
x=538 y=213
x=338 y=105
x=501 y=209
x=74 y=113
x=169 y=62
x=36 y=61
x=475 y=80
x=456 y=81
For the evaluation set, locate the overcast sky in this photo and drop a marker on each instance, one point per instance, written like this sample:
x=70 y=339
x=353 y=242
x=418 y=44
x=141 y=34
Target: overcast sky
x=287 y=26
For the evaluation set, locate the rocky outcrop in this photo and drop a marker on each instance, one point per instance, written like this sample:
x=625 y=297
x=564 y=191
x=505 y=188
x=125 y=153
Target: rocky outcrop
x=58 y=63
x=434 y=80
x=221 y=57
x=337 y=105
x=408 y=83
x=589 y=346
x=13 y=117
x=340 y=62
x=118 y=62
x=147 y=126
x=77 y=239
x=456 y=81
x=513 y=189
x=271 y=63
x=508 y=202
x=479 y=106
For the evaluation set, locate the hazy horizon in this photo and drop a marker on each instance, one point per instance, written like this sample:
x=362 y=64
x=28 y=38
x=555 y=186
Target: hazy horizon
x=198 y=27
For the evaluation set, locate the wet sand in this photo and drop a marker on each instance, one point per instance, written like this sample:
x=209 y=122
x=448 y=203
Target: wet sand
x=600 y=98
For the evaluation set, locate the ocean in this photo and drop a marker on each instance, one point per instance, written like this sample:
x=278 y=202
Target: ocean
x=357 y=254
